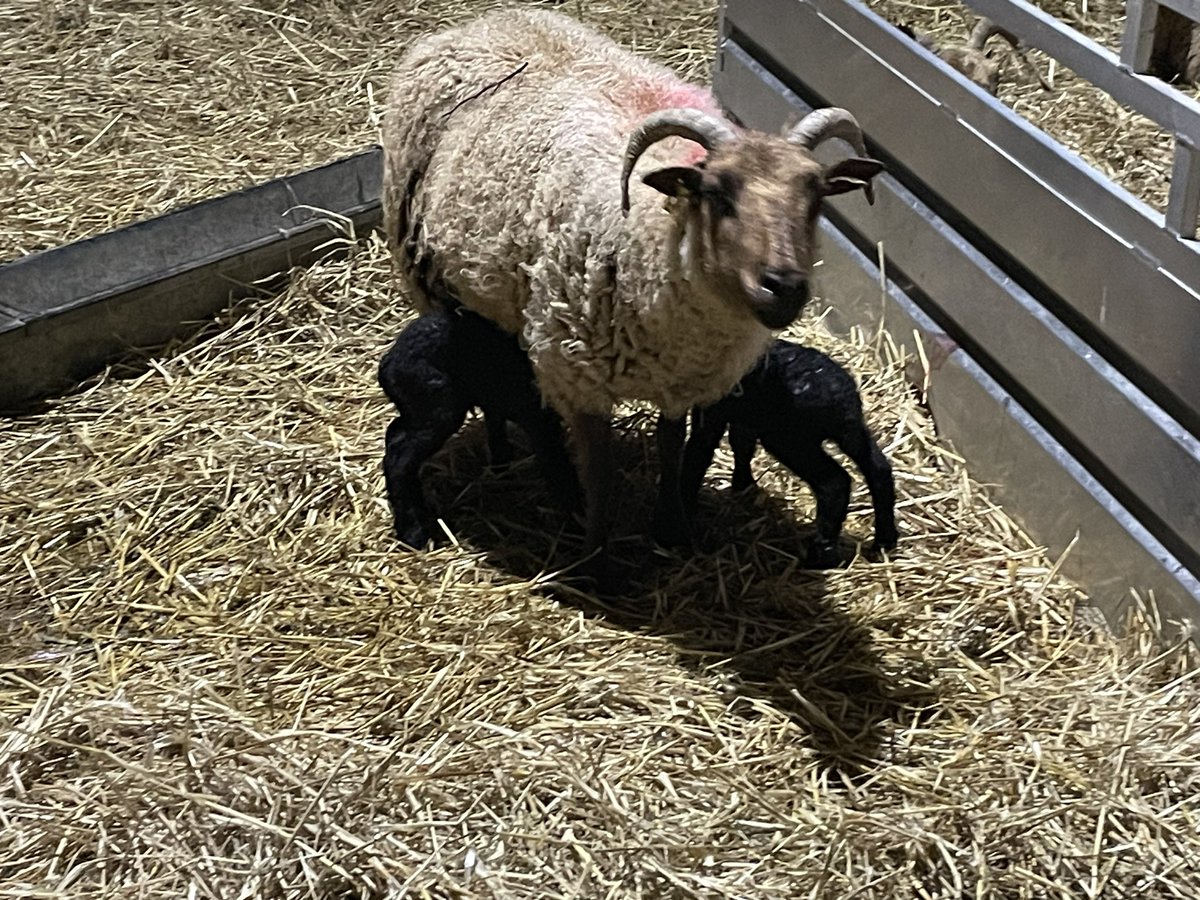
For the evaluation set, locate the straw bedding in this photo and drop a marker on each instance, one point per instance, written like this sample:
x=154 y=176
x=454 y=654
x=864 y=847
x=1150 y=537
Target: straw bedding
x=119 y=110
x=220 y=676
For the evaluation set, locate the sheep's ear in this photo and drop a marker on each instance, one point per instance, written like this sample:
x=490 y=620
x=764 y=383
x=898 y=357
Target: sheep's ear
x=851 y=175
x=675 y=181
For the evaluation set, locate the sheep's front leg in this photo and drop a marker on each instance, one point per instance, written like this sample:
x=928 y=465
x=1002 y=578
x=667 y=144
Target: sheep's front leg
x=670 y=527
x=593 y=439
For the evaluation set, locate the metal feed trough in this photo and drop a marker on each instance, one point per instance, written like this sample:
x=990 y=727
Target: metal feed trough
x=1058 y=314
x=66 y=312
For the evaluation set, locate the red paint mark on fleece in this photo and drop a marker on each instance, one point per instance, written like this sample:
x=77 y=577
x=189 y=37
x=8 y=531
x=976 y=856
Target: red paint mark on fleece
x=652 y=95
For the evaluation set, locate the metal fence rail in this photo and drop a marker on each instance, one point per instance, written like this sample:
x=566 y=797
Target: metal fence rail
x=1120 y=78
x=1073 y=299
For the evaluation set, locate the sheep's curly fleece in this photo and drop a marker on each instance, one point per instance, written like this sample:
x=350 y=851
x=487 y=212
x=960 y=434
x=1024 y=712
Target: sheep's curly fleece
x=516 y=198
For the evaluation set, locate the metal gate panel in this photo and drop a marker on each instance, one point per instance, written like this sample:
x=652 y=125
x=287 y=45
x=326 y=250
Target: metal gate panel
x=1122 y=281
x=1028 y=470
x=1113 y=440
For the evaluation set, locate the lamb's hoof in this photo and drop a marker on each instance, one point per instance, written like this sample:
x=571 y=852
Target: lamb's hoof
x=672 y=536
x=882 y=543
x=413 y=535
x=821 y=555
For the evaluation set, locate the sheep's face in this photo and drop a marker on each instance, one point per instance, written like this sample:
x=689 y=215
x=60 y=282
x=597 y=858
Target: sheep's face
x=753 y=208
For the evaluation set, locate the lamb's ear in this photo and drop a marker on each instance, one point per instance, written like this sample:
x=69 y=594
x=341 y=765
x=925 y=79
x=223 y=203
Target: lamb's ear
x=674 y=181
x=851 y=175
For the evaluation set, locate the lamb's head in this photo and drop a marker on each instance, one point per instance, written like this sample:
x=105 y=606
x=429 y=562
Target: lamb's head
x=751 y=206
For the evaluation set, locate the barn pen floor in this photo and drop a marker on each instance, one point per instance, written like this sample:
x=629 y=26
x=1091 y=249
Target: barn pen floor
x=221 y=678
x=167 y=104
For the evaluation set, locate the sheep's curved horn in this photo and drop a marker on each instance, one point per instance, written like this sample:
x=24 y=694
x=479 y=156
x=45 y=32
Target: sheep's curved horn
x=832 y=122
x=984 y=30
x=822 y=124
x=706 y=130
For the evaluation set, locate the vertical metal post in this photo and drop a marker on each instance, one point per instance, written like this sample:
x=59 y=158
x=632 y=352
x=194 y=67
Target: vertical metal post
x=722 y=35
x=1138 y=40
x=1183 y=201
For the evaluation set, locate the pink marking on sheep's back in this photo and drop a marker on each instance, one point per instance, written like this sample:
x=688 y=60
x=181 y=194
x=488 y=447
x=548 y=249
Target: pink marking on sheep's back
x=651 y=95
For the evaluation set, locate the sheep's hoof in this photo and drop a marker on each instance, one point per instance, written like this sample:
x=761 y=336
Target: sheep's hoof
x=821 y=555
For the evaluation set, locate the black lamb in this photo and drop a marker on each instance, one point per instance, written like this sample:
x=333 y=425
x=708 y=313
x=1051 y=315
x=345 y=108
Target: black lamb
x=440 y=367
x=791 y=401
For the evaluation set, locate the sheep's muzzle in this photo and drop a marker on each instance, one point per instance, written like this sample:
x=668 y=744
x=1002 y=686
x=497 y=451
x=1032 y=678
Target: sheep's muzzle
x=779 y=297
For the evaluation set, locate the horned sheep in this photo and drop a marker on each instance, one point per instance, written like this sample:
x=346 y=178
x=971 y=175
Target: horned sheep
x=509 y=144
x=973 y=59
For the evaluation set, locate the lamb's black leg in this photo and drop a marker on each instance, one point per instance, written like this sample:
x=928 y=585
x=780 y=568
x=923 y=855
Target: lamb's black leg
x=549 y=446
x=743 y=442
x=593 y=438
x=406 y=450
x=831 y=487
x=877 y=473
x=708 y=426
x=670 y=525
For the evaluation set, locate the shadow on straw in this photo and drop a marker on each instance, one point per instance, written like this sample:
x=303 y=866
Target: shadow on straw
x=741 y=611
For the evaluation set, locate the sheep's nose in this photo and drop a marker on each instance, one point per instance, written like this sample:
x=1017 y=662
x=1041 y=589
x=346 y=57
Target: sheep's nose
x=786 y=284
x=782 y=294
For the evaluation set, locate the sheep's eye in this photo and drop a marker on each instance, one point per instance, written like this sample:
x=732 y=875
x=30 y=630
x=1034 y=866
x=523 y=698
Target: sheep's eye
x=722 y=194
x=720 y=204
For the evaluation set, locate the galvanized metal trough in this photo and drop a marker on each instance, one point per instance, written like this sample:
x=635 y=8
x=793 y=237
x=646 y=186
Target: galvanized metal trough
x=1059 y=314
x=66 y=312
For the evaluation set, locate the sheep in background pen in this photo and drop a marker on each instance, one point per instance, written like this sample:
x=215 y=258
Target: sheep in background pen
x=509 y=144
x=792 y=401
x=1175 y=53
x=439 y=368
x=971 y=59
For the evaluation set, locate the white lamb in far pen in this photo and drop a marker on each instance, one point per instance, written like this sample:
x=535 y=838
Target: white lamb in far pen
x=509 y=143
